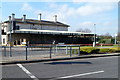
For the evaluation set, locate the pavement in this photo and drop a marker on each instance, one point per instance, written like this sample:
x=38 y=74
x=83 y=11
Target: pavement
x=41 y=55
x=55 y=58
x=97 y=68
x=19 y=54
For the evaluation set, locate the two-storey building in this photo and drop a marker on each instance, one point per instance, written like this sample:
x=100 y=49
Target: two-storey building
x=20 y=31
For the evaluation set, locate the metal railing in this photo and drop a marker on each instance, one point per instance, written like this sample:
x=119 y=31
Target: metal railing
x=39 y=52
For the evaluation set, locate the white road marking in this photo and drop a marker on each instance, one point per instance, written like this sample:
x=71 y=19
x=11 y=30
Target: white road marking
x=81 y=74
x=27 y=72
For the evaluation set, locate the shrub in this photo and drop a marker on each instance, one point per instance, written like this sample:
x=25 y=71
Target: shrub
x=88 y=50
x=95 y=51
x=91 y=50
x=116 y=49
x=106 y=50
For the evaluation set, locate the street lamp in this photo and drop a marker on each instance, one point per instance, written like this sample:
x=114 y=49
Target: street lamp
x=115 y=38
x=10 y=28
x=0 y=33
x=94 y=43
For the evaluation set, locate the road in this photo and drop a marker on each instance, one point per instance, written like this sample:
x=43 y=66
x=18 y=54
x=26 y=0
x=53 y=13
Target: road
x=103 y=67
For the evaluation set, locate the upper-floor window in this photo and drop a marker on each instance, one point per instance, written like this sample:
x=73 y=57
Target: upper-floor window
x=3 y=32
x=33 y=26
x=17 y=27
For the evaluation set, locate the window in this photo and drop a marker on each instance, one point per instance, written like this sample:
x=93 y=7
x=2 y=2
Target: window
x=3 y=40
x=3 y=32
x=21 y=40
x=17 y=27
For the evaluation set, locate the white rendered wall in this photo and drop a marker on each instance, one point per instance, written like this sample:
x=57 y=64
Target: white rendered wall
x=42 y=27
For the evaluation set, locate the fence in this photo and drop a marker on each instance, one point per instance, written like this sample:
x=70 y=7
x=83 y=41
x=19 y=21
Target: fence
x=39 y=52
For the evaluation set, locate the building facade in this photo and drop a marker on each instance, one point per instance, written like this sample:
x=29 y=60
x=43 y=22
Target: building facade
x=20 y=31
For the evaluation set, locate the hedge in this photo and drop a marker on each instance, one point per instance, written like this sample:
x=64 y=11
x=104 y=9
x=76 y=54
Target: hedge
x=87 y=50
x=92 y=50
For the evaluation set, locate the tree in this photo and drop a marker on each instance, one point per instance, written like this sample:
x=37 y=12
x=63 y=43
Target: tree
x=84 y=30
x=87 y=30
x=118 y=36
x=79 y=30
x=106 y=38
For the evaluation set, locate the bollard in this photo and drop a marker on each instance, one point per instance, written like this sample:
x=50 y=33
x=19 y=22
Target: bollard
x=26 y=53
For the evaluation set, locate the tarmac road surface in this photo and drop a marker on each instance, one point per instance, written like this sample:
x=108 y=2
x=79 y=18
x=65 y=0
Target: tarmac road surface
x=102 y=67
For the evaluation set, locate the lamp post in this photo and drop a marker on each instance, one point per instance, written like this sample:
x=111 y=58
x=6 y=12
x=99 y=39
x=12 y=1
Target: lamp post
x=115 y=38
x=94 y=43
x=10 y=36
x=0 y=33
x=11 y=18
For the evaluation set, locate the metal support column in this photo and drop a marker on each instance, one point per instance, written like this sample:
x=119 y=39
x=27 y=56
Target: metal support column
x=11 y=25
x=70 y=51
x=66 y=49
x=79 y=51
x=26 y=53
x=50 y=52
x=4 y=51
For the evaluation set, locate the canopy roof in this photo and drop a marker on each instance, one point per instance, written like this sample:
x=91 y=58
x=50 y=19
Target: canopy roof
x=51 y=32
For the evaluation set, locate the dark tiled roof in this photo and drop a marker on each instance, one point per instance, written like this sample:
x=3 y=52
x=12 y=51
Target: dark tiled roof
x=42 y=22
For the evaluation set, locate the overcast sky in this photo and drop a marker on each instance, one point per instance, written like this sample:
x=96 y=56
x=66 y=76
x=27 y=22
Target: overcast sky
x=76 y=13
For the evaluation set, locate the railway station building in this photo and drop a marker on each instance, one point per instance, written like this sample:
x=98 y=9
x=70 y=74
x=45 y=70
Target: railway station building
x=20 y=31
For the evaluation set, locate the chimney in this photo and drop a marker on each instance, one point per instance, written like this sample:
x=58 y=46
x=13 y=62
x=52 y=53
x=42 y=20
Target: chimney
x=39 y=17
x=9 y=18
x=24 y=18
x=13 y=16
x=55 y=18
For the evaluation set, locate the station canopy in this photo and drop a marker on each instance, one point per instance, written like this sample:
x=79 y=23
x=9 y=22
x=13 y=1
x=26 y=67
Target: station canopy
x=52 y=32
